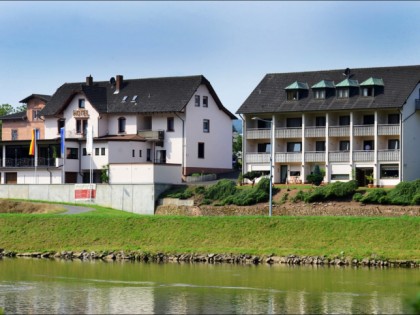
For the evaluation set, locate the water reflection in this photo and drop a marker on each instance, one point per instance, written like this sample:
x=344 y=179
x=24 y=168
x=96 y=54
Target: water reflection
x=45 y=287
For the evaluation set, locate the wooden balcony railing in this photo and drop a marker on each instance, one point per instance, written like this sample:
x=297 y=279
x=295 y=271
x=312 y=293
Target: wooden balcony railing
x=258 y=134
x=388 y=155
x=315 y=132
x=339 y=131
x=258 y=157
x=361 y=130
x=286 y=157
x=339 y=156
x=289 y=133
x=363 y=156
x=314 y=156
x=388 y=130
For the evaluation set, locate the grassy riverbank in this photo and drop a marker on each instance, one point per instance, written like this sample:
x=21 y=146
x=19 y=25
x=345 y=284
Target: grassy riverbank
x=105 y=229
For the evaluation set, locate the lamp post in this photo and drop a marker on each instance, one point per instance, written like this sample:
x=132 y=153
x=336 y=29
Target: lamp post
x=271 y=162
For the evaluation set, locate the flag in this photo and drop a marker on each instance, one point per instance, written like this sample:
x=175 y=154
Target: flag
x=35 y=137
x=63 y=140
x=89 y=140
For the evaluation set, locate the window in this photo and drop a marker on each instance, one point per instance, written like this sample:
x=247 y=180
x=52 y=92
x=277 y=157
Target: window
x=81 y=126
x=292 y=95
x=14 y=134
x=319 y=94
x=134 y=99
x=393 y=119
x=161 y=156
x=96 y=151
x=148 y=153
x=263 y=124
x=367 y=91
x=294 y=146
x=393 y=144
x=84 y=152
x=368 y=119
x=206 y=125
x=320 y=121
x=264 y=147
x=170 y=124
x=197 y=100
x=124 y=99
x=340 y=177
x=344 y=120
x=35 y=114
x=368 y=145
x=201 y=150
x=121 y=125
x=102 y=151
x=133 y=153
x=345 y=145
x=205 y=101
x=320 y=146
x=295 y=173
x=81 y=103
x=72 y=153
x=343 y=93
x=389 y=171
x=139 y=153
x=60 y=124
x=294 y=122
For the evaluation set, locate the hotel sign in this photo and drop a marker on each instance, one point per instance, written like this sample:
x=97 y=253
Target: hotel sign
x=80 y=113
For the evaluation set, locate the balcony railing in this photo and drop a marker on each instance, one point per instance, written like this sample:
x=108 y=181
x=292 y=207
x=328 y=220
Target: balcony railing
x=286 y=157
x=388 y=130
x=368 y=130
x=258 y=134
x=258 y=157
x=339 y=131
x=315 y=132
x=29 y=162
x=342 y=156
x=152 y=135
x=314 y=156
x=289 y=132
x=388 y=155
x=363 y=156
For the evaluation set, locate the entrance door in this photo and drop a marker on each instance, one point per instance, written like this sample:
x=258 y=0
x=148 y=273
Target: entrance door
x=283 y=174
x=361 y=173
x=11 y=178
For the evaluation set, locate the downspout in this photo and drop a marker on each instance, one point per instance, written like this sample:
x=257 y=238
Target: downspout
x=243 y=142
x=183 y=144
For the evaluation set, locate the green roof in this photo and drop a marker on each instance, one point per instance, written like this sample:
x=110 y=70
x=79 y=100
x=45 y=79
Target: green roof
x=348 y=83
x=297 y=86
x=373 y=81
x=324 y=84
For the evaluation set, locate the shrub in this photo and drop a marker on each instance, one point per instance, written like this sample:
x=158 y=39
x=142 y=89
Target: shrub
x=335 y=191
x=404 y=192
x=221 y=190
x=416 y=199
x=374 y=196
x=357 y=197
x=316 y=177
x=300 y=196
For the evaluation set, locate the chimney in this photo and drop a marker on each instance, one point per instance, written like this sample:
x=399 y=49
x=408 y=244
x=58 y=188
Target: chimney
x=119 y=83
x=89 y=80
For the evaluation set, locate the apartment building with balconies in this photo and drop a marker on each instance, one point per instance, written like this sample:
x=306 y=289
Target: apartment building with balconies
x=353 y=123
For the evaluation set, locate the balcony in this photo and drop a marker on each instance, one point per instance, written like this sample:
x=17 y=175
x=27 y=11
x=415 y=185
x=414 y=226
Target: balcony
x=339 y=131
x=388 y=130
x=29 y=162
x=364 y=130
x=318 y=132
x=152 y=135
x=339 y=156
x=288 y=157
x=289 y=132
x=314 y=156
x=363 y=156
x=258 y=134
x=388 y=155
x=258 y=157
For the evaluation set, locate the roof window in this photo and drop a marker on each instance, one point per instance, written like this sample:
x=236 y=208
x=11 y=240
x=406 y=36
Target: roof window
x=371 y=87
x=134 y=98
x=124 y=99
x=296 y=90
x=323 y=89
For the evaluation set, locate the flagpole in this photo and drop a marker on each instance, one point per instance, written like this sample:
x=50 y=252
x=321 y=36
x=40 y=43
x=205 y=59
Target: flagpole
x=35 y=155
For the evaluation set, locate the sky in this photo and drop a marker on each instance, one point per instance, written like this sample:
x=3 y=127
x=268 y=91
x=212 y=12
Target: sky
x=44 y=44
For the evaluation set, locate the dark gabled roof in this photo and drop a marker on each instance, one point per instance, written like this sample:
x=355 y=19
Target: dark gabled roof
x=43 y=97
x=270 y=96
x=14 y=116
x=154 y=95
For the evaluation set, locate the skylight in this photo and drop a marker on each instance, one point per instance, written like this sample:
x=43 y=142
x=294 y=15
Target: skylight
x=124 y=99
x=134 y=98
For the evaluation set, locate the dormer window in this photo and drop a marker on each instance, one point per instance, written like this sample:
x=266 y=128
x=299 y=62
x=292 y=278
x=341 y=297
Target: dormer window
x=296 y=91
x=372 y=87
x=323 y=89
x=347 y=88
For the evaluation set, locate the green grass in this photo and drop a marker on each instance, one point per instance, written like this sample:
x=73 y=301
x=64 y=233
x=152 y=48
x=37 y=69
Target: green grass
x=107 y=229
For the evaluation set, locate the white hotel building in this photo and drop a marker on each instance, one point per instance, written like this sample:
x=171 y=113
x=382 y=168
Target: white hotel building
x=155 y=130
x=351 y=123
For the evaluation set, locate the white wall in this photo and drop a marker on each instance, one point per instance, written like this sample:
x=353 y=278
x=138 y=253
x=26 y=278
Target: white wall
x=218 y=142
x=130 y=123
x=146 y=173
x=411 y=138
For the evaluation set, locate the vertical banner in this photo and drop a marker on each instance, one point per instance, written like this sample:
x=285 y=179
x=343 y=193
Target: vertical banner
x=63 y=141
x=89 y=140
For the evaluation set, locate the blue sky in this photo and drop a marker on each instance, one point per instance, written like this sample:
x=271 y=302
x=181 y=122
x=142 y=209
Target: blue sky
x=233 y=44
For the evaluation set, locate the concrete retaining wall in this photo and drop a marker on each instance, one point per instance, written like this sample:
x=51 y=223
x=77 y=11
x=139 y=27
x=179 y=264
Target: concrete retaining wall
x=139 y=199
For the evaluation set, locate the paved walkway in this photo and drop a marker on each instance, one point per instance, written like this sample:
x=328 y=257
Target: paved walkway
x=76 y=209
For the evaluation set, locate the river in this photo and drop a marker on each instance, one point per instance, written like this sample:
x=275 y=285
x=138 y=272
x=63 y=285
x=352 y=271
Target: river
x=41 y=286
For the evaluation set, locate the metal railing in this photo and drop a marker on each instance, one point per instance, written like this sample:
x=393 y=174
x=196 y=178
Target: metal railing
x=157 y=135
x=29 y=162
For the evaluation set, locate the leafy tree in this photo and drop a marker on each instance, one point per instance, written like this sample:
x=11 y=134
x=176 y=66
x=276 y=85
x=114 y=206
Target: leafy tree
x=6 y=109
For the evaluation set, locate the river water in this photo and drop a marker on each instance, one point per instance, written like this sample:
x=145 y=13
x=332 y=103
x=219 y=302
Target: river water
x=95 y=287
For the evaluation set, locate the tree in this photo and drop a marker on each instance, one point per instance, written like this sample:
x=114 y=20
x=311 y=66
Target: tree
x=6 y=109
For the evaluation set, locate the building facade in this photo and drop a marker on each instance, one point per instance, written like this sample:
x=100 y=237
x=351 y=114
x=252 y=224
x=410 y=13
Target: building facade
x=361 y=124
x=144 y=131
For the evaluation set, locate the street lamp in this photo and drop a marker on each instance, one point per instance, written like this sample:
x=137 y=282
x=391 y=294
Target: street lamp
x=271 y=162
